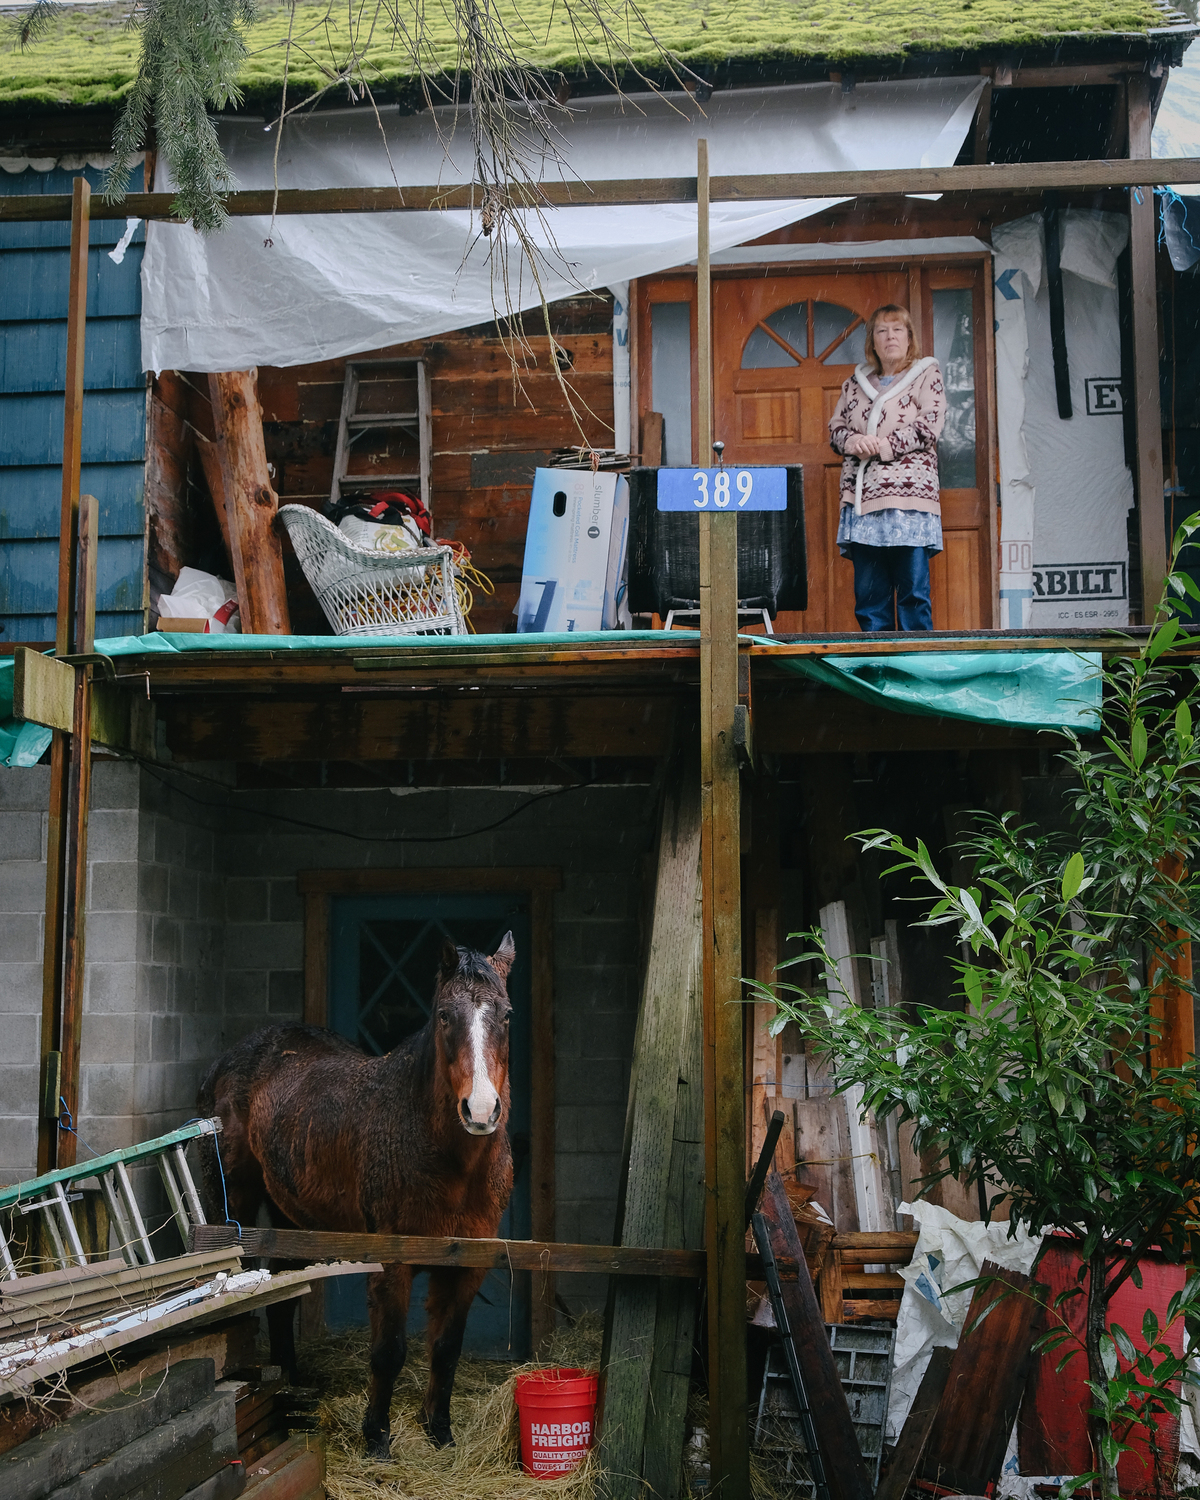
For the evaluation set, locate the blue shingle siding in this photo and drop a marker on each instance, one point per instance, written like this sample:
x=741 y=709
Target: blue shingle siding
x=34 y=262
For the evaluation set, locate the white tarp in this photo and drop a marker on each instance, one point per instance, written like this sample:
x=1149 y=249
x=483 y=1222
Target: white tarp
x=1065 y=491
x=949 y=1252
x=330 y=286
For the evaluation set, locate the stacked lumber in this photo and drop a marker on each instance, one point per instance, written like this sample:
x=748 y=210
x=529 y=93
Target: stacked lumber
x=295 y=1470
x=269 y=1412
x=81 y=1295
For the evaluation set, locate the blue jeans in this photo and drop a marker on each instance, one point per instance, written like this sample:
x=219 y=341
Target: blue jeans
x=890 y=584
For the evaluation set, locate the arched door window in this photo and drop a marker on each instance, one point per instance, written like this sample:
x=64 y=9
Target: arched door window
x=823 y=332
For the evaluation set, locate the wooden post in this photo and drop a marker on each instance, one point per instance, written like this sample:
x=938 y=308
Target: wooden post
x=541 y=1144
x=79 y=796
x=720 y=864
x=1147 y=410
x=656 y=1203
x=52 y=946
x=250 y=503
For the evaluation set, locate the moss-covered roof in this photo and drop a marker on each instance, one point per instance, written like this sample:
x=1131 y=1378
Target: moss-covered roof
x=89 y=56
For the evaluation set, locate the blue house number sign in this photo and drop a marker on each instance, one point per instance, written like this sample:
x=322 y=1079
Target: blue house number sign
x=729 y=488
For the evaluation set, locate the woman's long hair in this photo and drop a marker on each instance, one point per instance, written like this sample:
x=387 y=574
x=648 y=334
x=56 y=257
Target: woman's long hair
x=896 y=314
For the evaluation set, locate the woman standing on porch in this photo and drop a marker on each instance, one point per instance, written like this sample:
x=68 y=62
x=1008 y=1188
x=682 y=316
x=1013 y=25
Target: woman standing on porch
x=886 y=426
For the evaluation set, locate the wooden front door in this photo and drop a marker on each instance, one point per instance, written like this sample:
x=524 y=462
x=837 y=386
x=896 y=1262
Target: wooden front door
x=783 y=345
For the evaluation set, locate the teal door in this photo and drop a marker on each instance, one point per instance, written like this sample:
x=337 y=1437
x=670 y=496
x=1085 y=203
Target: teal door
x=383 y=960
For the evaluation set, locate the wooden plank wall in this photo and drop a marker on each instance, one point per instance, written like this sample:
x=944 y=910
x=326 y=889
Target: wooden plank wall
x=477 y=410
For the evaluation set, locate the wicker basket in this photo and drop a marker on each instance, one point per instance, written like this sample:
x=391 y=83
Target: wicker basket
x=374 y=593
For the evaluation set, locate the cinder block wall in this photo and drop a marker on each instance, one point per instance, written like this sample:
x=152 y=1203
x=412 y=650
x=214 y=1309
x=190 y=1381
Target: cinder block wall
x=155 y=948
x=23 y=797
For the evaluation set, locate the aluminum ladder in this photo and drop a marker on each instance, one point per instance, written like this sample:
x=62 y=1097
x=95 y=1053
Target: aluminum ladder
x=50 y=1196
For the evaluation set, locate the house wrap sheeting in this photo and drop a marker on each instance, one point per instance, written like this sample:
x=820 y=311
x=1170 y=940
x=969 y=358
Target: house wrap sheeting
x=310 y=288
x=1065 y=490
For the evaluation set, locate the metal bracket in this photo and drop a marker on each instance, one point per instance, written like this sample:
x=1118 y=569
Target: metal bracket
x=91 y=659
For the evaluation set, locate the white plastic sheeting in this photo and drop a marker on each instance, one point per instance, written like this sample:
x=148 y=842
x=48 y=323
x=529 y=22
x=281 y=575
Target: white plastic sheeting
x=949 y=1252
x=309 y=288
x=1065 y=489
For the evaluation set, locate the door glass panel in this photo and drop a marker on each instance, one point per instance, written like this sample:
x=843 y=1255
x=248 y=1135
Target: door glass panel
x=829 y=319
x=762 y=352
x=954 y=350
x=671 y=377
x=851 y=351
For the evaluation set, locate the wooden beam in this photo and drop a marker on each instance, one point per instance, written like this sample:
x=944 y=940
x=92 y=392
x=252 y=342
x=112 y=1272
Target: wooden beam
x=542 y=1200
x=44 y=693
x=79 y=796
x=79 y=205
x=720 y=863
x=470 y=878
x=983 y=125
x=316 y=957
x=68 y=523
x=1147 y=411
x=214 y=476
x=675 y=1316
x=433 y=1250
x=1014 y=177
x=665 y=1008
x=897 y=1478
x=250 y=503
x=43 y=690
x=460 y=728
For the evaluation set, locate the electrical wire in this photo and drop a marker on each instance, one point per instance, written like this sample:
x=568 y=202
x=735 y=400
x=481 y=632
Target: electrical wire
x=365 y=838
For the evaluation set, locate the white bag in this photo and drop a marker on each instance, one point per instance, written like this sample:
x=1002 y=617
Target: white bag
x=201 y=596
x=378 y=536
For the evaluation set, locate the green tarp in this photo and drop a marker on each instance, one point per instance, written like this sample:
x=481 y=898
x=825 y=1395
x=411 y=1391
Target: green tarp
x=1020 y=689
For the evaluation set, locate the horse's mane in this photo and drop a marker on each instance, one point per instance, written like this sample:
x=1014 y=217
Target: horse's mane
x=473 y=965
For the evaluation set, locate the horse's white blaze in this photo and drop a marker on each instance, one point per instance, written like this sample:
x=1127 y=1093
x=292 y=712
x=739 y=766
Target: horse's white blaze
x=483 y=1097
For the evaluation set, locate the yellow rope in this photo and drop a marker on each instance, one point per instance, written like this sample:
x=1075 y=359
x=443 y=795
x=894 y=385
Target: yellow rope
x=467 y=578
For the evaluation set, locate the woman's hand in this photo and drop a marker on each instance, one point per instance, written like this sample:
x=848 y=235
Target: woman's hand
x=863 y=446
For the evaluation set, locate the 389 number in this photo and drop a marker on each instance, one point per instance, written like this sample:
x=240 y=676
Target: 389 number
x=721 y=492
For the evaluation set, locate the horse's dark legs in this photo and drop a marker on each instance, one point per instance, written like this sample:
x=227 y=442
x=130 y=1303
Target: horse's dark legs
x=388 y=1292
x=451 y=1293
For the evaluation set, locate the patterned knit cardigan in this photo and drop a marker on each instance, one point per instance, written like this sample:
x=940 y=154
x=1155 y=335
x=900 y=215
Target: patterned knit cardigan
x=908 y=415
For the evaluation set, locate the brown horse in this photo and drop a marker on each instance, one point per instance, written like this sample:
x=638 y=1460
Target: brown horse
x=326 y=1137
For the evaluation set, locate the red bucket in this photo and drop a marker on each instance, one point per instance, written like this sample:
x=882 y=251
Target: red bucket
x=557 y=1409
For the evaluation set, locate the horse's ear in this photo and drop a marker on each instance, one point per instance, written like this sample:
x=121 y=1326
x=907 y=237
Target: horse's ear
x=448 y=967
x=502 y=959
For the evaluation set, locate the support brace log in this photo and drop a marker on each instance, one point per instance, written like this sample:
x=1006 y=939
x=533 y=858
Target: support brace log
x=250 y=503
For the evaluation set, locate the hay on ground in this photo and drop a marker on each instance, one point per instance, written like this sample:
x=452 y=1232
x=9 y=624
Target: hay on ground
x=484 y=1464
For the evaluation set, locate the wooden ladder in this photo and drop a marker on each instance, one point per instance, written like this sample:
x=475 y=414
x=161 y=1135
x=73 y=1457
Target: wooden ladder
x=50 y=1196
x=353 y=424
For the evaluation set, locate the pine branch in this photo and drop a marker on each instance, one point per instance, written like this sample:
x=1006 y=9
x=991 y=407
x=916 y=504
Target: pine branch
x=36 y=21
x=192 y=53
